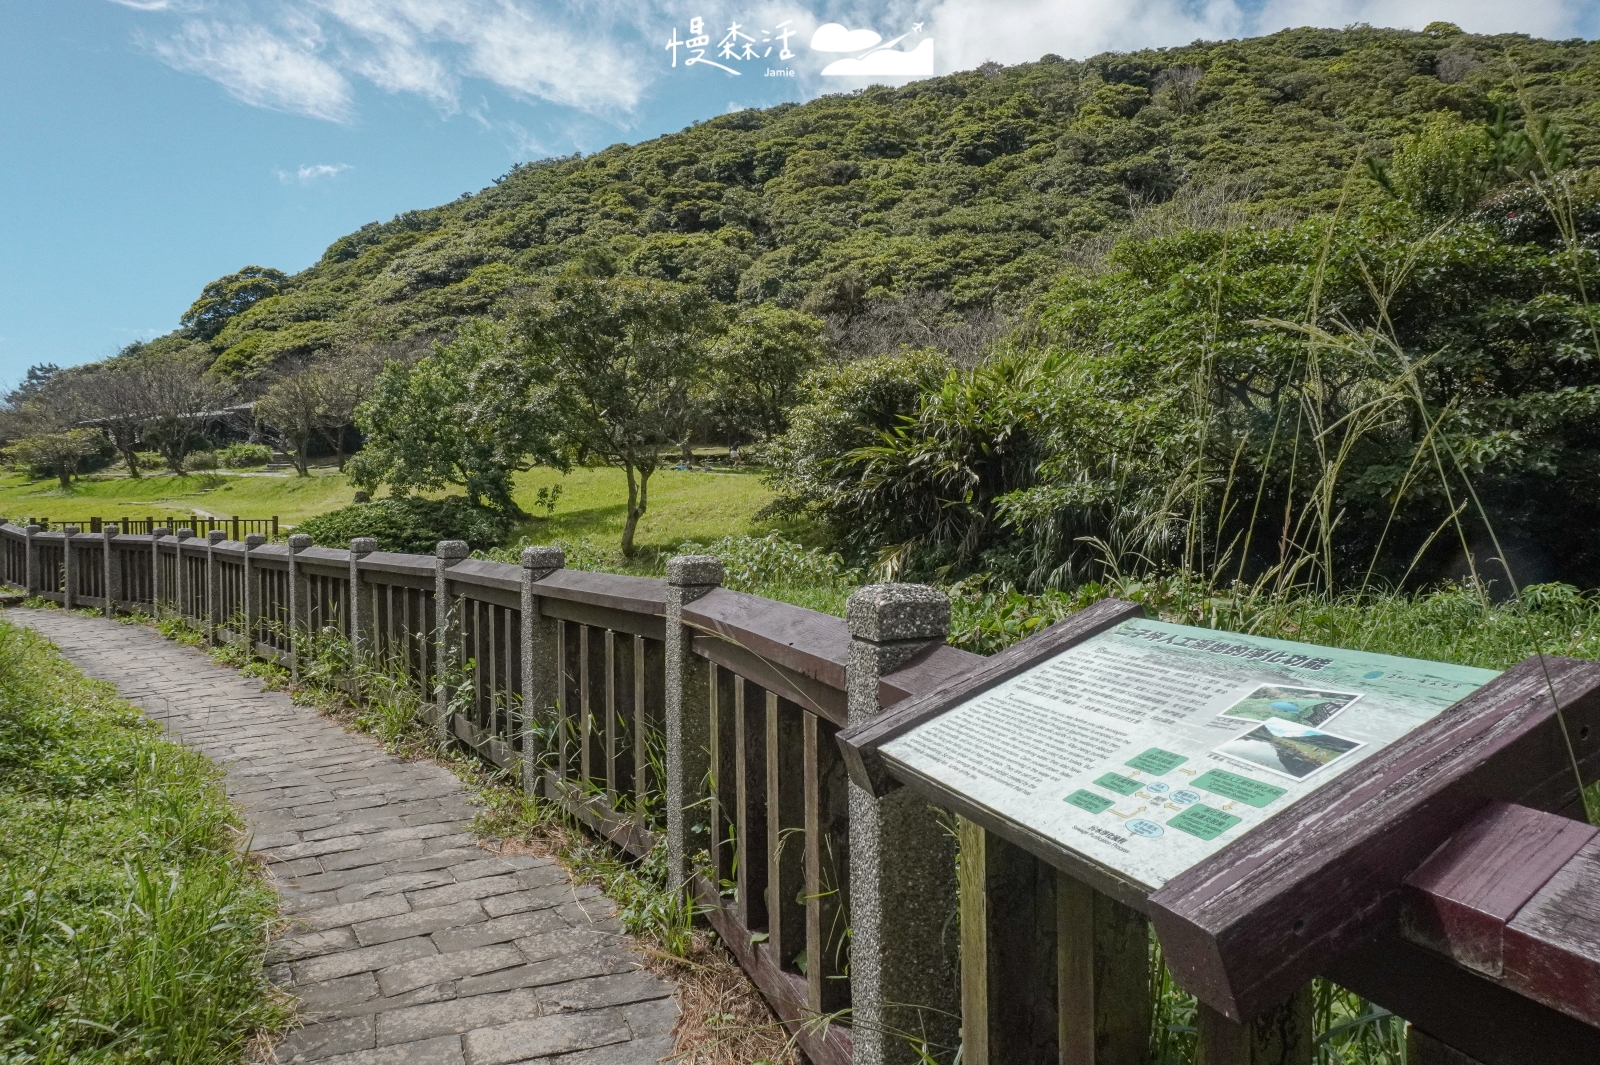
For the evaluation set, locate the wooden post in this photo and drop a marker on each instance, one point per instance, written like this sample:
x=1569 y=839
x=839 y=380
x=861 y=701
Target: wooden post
x=30 y=561
x=1051 y=970
x=184 y=535
x=1281 y=1036
x=213 y=601
x=114 y=590
x=298 y=639
x=69 y=590
x=446 y=554
x=687 y=722
x=249 y=593
x=903 y=894
x=541 y=688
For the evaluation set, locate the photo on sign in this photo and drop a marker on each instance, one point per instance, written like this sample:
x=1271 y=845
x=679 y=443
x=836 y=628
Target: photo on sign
x=1312 y=707
x=1288 y=748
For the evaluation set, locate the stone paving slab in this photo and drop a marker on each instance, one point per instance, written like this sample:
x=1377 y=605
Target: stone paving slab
x=409 y=945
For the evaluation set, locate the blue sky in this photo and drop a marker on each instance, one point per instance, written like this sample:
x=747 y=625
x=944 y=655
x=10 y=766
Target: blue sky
x=149 y=146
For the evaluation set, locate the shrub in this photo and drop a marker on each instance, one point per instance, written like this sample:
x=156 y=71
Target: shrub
x=245 y=456
x=408 y=525
x=203 y=460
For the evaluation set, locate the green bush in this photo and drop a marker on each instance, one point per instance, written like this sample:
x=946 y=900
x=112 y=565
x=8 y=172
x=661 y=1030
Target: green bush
x=203 y=460
x=131 y=925
x=245 y=456
x=408 y=525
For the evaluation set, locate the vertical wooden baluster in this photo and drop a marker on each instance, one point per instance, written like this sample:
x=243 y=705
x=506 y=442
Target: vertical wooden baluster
x=751 y=723
x=610 y=737
x=717 y=712
x=786 y=817
x=561 y=701
x=813 y=889
x=585 y=710
x=641 y=754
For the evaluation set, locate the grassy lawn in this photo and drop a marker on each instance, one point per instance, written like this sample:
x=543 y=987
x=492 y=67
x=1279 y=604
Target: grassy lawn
x=131 y=930
x=684 y=505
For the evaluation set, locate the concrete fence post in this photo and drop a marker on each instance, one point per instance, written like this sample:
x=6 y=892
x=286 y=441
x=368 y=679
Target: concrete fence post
x=688 y=701
x=114 y=589
x=299 y=615
x=448 y=613
x=69 y=572
x=30 y=561
x=184 y=591
x=213 y=604
x=156 y=591
x=250 y=593
x=541 y=673
x=362 y=636
x=904 y=974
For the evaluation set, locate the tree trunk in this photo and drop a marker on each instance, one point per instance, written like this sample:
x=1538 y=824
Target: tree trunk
x=64 y=475
x=132 y=460
x=301 y=465
x=636 y=503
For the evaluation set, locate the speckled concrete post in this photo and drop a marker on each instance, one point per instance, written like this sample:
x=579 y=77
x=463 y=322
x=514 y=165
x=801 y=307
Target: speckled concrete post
x=688 y=701
x=114 y=589
x=298 y=614
x=903 y=950
x=448 y=612
x=252 y=609
x=156 y=591
x=213 y=597
x=30 y=561
x=69 y=571
x=540 y=670
x=362 y=643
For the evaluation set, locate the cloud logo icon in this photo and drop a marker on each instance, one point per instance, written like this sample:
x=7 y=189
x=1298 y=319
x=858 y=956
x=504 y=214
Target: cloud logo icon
x=832 y=37
x=886 y=62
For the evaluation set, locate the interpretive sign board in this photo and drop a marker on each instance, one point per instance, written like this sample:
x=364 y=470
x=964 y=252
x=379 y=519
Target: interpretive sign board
x=1151 y=746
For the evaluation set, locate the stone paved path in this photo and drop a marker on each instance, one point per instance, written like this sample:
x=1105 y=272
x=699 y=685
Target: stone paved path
x=411 y=945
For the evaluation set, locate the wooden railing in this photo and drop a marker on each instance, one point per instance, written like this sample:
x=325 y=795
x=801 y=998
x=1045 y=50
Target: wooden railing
x=236 y=528
x=678 y=713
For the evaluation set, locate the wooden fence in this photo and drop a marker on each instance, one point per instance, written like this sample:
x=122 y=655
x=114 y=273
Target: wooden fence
x=678 y=712
x=236 y=528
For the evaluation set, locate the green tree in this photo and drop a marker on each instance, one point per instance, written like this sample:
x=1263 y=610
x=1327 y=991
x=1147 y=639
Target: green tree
x=754 y=371
x=617 y=361
x=184 y=398
x=58 y=453
x=228 y=296
x=457 y=417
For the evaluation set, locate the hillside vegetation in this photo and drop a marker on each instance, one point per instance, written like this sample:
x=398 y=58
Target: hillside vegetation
x=976 y=188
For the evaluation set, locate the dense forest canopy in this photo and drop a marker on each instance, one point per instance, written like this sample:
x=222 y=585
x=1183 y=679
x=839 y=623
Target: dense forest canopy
x=976 y=187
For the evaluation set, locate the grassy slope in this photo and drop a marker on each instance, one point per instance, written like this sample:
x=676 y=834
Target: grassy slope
x=684 y=505
x=130 y=928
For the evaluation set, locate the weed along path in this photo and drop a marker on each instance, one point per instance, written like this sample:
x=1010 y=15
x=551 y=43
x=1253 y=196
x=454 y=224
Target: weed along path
x=408 y=944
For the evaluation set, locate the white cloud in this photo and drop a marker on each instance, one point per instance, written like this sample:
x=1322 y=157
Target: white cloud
x=1012 y=31
x=148 y=5
x=307 y=173
x=832 y=37
x=886 y=63
x=260 y=67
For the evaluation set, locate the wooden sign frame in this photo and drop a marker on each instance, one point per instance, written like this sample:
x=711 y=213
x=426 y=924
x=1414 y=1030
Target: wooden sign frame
x=1289 y=898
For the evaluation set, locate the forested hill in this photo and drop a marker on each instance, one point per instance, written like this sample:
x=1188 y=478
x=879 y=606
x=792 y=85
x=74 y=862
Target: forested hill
x=978 y=185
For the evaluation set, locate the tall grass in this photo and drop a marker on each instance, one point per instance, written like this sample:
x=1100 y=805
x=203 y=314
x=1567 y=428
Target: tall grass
x=131 y=925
